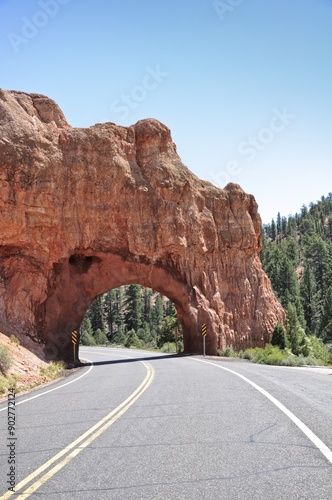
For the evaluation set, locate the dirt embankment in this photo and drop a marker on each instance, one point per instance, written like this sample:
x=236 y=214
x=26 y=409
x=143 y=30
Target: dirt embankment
x=26 y=366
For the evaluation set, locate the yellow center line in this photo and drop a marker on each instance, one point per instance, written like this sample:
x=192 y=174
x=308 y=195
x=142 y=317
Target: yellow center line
x=77 y=446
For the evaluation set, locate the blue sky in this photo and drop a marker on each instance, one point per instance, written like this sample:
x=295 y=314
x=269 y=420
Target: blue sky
x=244 y=85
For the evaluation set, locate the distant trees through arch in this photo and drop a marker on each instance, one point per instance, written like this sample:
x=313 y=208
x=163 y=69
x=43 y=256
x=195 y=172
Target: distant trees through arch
x=132 y=316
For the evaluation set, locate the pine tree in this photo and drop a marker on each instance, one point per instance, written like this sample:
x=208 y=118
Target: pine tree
x=278 y=224
x=273 y=230
x=158 y=312
x=317 y=253
x=144 y=334
x=100 y=337
x=326 y=321
x=288 y=285
x=292 y=250
x=291 y=227
x=133 y=340
x=284 y=281
x=147 y=308
x=328 y=231
x=96 y=314
x=87 y=337
x=167 y=327
x=284 y=227
x=133 y=307
x=120 y=337
x=110 y=312
x=310 y=300
x=294 y=330
x=304 y=211
x=279 y=336
x=113 y=308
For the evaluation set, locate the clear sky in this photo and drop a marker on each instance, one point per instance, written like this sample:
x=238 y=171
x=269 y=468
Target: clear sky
x=244 y=85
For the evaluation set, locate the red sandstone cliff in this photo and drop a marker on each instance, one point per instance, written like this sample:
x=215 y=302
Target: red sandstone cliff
x=87 y=210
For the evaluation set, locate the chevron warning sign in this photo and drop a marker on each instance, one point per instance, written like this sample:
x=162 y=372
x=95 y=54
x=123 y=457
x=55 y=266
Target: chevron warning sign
x=74 y=337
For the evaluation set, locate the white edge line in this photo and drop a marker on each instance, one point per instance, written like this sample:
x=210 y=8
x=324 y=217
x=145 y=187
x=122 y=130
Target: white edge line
x=51 y=390
x=310 y=435
x=67 y=383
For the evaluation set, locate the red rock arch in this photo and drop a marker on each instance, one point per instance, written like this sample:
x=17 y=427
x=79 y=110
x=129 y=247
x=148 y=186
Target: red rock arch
x=87 y=210
x=84 y=277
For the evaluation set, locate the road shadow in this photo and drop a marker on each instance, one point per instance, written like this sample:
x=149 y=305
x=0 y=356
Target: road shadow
x=133 y=360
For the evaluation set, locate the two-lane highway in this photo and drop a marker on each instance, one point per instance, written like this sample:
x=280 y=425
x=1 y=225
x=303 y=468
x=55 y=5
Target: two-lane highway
x=139 y=425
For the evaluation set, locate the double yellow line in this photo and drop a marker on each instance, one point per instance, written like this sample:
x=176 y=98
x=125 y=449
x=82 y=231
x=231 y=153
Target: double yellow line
x=74 y=448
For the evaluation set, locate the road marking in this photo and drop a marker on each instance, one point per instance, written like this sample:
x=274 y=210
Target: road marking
x=54 y=389
x=71 y=382
x=310 y=435
x=68 y=383
x=81 y=442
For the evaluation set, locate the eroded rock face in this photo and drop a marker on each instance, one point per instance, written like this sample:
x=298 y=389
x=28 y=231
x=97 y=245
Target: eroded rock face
x=87 y=210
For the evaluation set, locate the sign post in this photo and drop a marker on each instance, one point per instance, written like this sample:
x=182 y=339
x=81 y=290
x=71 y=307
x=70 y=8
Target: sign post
x=176 y=336
x=74 y=339
x=204 y=335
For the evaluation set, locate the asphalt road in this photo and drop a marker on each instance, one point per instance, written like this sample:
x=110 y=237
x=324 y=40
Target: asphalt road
x=161 y=427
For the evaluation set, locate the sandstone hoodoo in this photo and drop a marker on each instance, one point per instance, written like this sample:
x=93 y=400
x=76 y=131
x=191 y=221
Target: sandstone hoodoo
x=87 y=210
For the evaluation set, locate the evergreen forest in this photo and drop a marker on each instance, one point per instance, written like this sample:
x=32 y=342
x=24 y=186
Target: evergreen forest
x=132 y=316
x=297 y=257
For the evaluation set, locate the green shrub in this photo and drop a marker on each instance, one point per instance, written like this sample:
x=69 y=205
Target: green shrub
x=119 y=338
x=314 y=353
x=248 y=354
x=6 y=382
x=228 y=352
x=133 y=340
x=87 y=339
x=5 y=359
x=279 y=336
x=317 y=350
x=3 y=384
x=169 y=347
x=327 y=332
x=276 y=358
x=53 y=370
x=270 y=355
x=304 y=348
x=100 y=337
x=180 y=346
x=290 y=361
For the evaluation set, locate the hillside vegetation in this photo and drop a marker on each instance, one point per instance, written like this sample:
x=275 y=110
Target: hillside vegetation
x=297 y=257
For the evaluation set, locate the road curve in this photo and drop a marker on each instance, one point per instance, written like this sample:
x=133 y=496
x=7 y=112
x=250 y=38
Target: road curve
x=141 y=425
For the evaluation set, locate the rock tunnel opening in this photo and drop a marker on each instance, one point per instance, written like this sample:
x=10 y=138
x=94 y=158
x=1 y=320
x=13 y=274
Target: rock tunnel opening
x=132 y=316
x=85 y=277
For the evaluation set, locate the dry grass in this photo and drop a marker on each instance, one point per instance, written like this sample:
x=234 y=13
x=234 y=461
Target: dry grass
x=27 y=370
